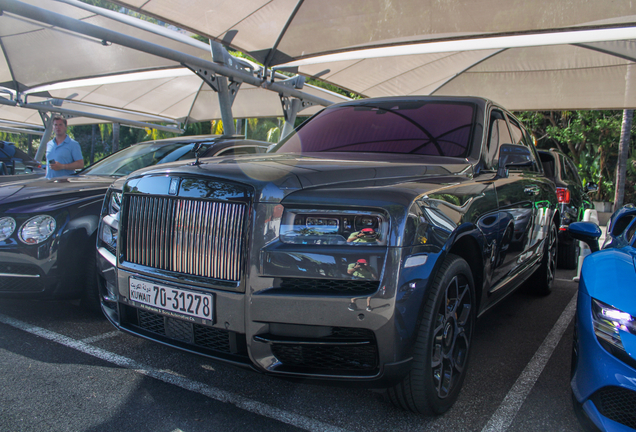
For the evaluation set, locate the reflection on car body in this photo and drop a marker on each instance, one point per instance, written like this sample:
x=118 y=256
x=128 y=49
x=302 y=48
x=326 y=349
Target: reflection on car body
x=573 y=201
x=416 y=184
x=47 y=227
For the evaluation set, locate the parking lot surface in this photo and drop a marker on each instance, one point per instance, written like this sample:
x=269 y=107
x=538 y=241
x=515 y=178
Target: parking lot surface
x=66 y=369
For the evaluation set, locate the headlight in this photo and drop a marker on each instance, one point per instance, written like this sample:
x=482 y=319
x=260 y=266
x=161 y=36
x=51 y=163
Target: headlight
x=37 y=229
x=109 y=232
x=333 y=227
x=609 y=321
x=7 y=226
x=114 y=203
x=109 y=226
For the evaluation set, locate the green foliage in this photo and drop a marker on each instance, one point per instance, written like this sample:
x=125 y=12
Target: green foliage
x=264 y=129
x=21 y=141
x=103 y=4
x=591 y=139
x=333 y=88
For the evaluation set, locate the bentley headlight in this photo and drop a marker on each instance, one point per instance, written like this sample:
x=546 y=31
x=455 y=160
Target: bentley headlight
x=7 y=226
x=37 y=229
x=609 y=322
x=333 y=227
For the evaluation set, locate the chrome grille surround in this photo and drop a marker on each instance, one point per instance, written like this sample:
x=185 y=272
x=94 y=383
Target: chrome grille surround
x=188 y=236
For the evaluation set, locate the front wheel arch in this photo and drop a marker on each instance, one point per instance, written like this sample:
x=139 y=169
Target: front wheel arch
x=442 y=346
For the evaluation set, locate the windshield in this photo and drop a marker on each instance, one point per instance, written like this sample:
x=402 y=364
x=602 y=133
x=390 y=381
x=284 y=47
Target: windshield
x=403 y=127
x=142 y=155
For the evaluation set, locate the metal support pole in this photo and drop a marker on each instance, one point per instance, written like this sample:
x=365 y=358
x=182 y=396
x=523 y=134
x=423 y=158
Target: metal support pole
x=74 y=113
x=20 y=130
x=291 y=110
x=48 y=129
x=225 y=104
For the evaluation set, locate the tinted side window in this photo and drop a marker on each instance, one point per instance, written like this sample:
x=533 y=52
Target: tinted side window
x=548 y=162
x=517 y=134
x=520 y=139
x=499 y=134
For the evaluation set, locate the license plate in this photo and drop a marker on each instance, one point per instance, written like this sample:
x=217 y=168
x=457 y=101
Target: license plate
x=171 y=300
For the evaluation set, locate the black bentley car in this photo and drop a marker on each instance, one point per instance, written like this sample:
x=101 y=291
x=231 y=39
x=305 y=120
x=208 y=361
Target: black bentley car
x=573 y=201
x=47 y=227
x=362 y=248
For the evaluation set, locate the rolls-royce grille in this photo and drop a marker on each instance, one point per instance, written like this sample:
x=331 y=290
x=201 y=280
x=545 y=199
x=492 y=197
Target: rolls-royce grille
x=200 y=238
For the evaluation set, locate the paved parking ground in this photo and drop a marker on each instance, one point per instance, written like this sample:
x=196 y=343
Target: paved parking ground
x=64 y=369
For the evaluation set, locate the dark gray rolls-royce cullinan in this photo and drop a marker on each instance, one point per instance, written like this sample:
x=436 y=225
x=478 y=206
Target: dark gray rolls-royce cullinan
x=362 y=248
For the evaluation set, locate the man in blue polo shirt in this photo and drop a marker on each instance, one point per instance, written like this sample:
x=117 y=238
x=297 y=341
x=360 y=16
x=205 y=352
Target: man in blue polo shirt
x=63 y=154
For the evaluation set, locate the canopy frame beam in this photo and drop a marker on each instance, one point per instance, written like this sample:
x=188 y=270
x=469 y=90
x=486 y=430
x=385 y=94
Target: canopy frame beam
x=224 y=64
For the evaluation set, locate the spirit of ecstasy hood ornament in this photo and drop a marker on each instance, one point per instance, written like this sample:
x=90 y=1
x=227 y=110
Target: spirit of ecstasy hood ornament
x=196 y=149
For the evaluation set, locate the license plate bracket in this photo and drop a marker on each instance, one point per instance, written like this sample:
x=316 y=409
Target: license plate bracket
x=186 y=304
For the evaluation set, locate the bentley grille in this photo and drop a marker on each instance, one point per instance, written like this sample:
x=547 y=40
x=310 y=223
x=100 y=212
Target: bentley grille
x=200 y=238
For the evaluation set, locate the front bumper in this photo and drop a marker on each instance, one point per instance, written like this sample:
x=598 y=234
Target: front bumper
x=604 y=385
x=39 y=272
x=357 y=338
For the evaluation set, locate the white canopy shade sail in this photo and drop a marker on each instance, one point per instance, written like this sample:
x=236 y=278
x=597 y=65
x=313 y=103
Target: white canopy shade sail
x=177 y=94
x=574 y=54
x=108 y=80
x=36 y=54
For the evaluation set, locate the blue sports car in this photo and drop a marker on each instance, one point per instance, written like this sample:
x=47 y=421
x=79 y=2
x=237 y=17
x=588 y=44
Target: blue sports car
x=604 y=347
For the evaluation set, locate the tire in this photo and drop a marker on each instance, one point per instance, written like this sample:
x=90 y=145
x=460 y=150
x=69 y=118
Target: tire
x=90 y=296
x=541 y=280
x=568 y=256
x=443 y=342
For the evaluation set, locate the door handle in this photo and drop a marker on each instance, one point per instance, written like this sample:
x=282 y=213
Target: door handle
x=532 y=190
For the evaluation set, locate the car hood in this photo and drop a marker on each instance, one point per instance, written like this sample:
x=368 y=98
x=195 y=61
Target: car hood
x=276 y=175
x=62 y=188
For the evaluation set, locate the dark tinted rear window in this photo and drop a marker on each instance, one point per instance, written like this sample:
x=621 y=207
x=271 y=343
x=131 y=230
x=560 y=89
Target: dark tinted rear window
x=425 y=128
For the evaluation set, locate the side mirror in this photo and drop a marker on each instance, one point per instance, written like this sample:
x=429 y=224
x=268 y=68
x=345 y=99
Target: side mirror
x=513 y=156
x=587 y=232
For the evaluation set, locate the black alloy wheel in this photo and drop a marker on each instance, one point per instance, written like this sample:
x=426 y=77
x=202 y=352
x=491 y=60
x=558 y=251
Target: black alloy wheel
x=443 y=343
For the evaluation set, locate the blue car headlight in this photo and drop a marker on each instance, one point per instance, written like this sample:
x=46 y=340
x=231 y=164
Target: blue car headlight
x=609 y=321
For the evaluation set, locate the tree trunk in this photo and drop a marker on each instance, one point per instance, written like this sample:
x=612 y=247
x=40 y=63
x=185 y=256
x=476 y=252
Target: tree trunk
x=30 y=145
x=115 y=137
x=623 y=153
x=93 y=144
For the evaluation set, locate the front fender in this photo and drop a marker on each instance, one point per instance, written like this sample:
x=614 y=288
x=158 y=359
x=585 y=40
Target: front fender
x=610 y=277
